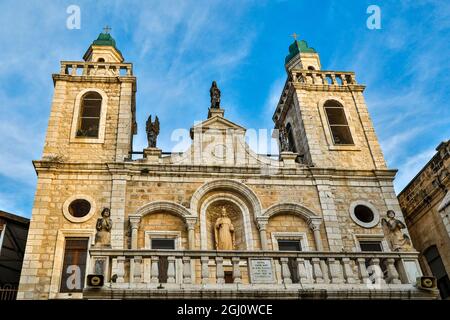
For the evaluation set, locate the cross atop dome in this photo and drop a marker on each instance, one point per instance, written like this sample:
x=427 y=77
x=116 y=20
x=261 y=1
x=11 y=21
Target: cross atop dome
x=106 y=29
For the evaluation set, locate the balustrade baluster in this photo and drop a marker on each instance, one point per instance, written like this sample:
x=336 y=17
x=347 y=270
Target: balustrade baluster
x=348 y=272
x=285 y=272
x=171 y=269
x=120 y=269
x=335 y=272
x=377 y=273
x=187 y=278
x=155 y=270
x=137 y=274
x=303 y=275
x=205 y=269
x=363 y=274
x=393 y=276
x=236 y=270
x=220 y=274
x=317 y=271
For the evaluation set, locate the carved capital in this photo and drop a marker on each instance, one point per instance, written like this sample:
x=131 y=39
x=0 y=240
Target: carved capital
x=190 y=223
x=314 y=224
x=135 y=221
x=262 y=223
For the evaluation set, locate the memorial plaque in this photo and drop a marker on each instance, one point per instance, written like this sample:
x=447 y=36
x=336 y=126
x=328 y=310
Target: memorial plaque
x=261 y=271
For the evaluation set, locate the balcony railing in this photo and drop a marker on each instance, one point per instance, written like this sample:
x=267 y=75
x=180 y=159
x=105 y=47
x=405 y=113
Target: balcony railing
x=77 y=68
x=335 y=78
x=150 y=269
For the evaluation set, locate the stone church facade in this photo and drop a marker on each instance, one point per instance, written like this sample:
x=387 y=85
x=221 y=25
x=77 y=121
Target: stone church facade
x=309 y=224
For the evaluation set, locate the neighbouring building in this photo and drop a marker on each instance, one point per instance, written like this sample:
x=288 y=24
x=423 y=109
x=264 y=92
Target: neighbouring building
x=13 y=236
x=425 y=203
x=218 y=220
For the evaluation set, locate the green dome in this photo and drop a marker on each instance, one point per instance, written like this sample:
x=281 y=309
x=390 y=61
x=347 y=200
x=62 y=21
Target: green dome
x=296 y=47
x=105 y=39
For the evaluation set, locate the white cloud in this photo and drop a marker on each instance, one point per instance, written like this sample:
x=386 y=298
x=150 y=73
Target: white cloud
x=410 y=167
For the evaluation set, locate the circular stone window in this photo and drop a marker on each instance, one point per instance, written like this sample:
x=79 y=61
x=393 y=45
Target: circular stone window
x=364 y=214
x=79 y=208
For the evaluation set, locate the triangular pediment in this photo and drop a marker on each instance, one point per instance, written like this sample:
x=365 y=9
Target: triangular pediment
x=219 y=123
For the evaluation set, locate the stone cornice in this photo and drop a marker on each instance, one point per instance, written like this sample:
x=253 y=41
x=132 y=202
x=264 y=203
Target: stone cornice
x=84 y=79
x=132 y=169
x=322 y=87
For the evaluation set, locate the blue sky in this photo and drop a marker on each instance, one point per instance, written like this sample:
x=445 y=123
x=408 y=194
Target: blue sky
x=179 y=47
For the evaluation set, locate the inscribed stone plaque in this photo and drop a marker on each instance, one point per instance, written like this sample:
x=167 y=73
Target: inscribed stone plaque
x=261 y=271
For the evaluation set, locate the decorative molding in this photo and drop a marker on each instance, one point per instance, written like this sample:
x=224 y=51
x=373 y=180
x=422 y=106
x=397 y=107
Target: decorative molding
x=367 y=225
x=76 y=118
x=229 y=184
x=68 y=216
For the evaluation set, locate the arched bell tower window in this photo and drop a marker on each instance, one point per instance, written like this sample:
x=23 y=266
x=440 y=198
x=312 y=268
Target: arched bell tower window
x=290 y=137
x=337 y=121
x=89 y=120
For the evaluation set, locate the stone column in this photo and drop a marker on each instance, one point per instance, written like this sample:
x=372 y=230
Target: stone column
x=262 y=224
x=314 y=225
x=134 y=224
x=190 y=225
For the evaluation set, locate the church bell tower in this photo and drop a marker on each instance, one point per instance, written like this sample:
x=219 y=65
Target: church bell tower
x=92 y=116
x=323 y=116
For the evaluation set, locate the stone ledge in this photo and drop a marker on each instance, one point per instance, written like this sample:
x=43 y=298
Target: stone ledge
x=292 y=292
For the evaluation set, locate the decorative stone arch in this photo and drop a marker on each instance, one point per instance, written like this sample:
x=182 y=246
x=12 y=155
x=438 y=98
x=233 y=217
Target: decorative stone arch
x=226 y=184
x=314 y=221
x=76 y=116
x=245 y=217
x=171 y=207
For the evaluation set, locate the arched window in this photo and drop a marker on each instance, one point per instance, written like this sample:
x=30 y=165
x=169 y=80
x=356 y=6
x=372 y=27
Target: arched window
x=434 y=260
x=311 y=68
x=101 y=60
x=89 y=120
x=337 y=121
x=290 y=137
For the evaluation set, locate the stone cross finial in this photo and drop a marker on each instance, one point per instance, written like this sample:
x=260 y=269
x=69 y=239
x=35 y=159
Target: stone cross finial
x=294 y=35
x=106 y=29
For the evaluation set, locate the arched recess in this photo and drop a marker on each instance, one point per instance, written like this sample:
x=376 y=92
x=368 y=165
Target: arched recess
x=245 y=217
x=76 y=115
x=313 y=220
x=293 y=208
x=226 y=184
x=166 y=206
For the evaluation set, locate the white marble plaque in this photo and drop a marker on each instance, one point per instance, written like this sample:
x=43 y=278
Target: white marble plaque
x=261 y=271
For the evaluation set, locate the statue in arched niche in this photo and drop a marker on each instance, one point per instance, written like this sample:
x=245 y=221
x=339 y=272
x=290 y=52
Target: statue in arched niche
x=224 y=232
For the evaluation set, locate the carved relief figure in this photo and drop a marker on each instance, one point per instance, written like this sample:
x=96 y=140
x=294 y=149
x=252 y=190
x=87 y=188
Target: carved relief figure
x=104 y=225
x=393 y=230
x=152 y=129
x=214 y=92
x=224 y=232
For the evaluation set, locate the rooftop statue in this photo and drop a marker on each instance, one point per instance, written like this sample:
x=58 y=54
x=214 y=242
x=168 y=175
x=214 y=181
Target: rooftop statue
x=215 y=95
x=152 y=129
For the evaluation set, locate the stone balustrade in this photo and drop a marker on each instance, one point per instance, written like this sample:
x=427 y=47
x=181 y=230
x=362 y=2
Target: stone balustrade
x=218 y=270
x=335 y=78
x=77 y=68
